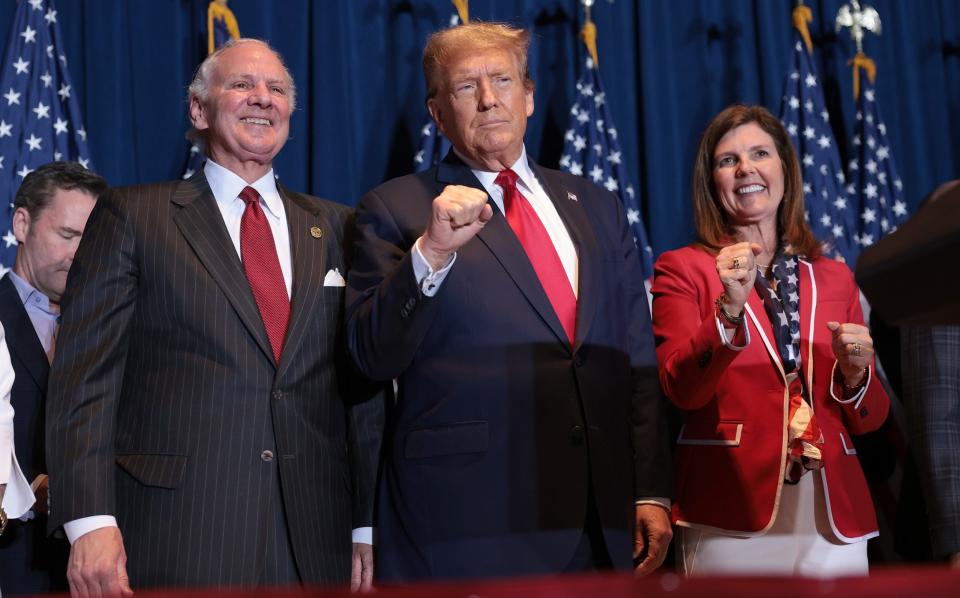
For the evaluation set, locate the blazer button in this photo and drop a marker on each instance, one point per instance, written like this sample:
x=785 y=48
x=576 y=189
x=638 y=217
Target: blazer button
x=277 y=395
x=404 y=312
x=266 y=456
x=411 y=303
x=576 y=435
x=578 y=362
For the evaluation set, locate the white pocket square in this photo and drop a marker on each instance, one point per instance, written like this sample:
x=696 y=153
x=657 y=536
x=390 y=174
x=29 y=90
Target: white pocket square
x=334 y=279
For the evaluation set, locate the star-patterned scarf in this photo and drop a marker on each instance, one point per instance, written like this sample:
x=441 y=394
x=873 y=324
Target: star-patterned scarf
x=782 y=304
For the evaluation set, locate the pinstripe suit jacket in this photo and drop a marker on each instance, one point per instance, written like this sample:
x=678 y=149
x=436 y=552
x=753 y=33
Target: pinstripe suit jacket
x=165 y=395
x=931 y=385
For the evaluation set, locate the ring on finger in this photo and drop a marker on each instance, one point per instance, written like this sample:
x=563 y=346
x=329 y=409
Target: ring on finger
x=736 y=263
x=856 y=349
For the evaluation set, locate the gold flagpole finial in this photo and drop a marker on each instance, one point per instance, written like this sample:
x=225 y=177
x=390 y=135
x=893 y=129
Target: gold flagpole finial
x=858 y=20
x=801 y=16
x=217 y=10
x=463 y=9
x=589 y=33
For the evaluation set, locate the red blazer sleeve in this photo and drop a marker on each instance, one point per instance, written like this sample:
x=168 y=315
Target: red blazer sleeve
x=868 y=411
x=690 y=350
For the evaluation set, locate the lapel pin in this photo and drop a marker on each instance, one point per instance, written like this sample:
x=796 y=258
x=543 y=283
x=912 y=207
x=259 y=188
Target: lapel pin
x=316 y=232
x=570 y=195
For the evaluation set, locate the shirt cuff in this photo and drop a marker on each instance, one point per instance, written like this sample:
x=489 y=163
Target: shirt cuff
x=85 y=525
x=17 y=498
x=428 y=279
x=729 y=341
x=654 y=500
x=855 y=399
x=363 y=535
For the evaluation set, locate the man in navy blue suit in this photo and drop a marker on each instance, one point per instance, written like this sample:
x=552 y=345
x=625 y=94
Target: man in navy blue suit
x=50 y=212
x=508 y=302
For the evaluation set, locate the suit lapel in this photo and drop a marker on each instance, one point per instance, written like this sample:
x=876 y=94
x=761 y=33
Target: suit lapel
x=584 y=240
x=808 y=315
x=201 y=224
x=308 y=255
x=22 y=339
x=758 y=314
x=503 y=244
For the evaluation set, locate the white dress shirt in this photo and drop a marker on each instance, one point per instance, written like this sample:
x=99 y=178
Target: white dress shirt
x=17 y=498
x=226 y=187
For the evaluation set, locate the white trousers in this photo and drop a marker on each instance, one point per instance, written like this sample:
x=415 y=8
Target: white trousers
x=800 y=542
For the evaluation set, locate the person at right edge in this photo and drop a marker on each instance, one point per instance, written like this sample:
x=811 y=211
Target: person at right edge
x=761 y=344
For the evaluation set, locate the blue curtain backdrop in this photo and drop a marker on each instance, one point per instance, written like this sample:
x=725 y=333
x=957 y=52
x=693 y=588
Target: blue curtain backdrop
x=668 y=67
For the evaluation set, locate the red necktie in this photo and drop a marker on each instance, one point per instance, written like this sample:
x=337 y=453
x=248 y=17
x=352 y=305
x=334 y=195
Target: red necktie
x=260 y=262
x=540 y=251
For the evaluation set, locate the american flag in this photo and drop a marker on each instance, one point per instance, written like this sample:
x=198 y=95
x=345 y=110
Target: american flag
x=875 y=186
x=830 y=211
x=220 y=21
x=39 y=113
x=591 y=150
x=433 y=145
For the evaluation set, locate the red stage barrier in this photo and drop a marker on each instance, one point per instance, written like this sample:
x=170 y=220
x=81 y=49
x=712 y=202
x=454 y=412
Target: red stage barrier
x=899 y=582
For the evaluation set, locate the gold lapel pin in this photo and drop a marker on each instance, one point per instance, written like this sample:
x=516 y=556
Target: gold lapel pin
x=570 y=195
x=316 y=232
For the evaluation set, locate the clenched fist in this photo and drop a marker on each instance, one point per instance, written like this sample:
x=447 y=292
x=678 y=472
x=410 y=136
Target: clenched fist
x=737 y=269
x=458 y=214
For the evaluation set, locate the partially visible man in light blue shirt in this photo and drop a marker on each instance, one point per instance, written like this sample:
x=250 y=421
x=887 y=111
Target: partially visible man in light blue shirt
x=50 y=213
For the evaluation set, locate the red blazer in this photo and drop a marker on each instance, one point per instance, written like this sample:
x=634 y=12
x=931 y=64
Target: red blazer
x=730 y=452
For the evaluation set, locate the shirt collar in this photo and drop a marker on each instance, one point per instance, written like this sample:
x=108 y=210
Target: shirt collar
x=521 y=167
x=226 y=186
x=29 y=294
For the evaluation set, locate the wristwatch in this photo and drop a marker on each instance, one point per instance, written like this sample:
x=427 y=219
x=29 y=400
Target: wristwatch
x=3 y=520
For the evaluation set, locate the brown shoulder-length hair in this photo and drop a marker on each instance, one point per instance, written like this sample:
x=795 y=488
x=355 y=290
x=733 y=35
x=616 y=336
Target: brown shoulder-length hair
x=712 y=222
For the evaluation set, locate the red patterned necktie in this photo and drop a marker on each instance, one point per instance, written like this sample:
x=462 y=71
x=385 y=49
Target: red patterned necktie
x=260 y=262
x=540 y=251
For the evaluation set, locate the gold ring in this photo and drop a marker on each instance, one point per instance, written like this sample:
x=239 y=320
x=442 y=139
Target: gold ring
x=736 y=263
x=856 y=349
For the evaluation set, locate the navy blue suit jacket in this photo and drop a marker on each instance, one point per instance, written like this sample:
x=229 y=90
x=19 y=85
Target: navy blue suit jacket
x=30 y=562
x=500 y=425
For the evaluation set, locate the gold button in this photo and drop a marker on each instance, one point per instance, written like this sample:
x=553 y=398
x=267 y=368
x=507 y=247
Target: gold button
x=316 y=232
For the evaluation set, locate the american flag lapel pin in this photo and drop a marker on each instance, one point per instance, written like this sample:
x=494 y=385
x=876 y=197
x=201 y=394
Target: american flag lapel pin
x=572 y=195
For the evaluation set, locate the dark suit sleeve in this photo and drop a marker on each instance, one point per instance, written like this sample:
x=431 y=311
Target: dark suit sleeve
x=87 y=373
x=653 y=469
x=387 y=315
x=366 y=406
x=365 y=421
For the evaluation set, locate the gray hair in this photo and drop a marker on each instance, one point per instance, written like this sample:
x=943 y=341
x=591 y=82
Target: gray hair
x=200 y=86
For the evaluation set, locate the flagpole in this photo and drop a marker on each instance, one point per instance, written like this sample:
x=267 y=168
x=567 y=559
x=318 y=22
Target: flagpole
x=858 y=19
x=463 y=9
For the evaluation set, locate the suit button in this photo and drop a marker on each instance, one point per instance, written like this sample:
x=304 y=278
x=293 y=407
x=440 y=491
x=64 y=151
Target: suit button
x=266 y=456
x=576 y=434
x=578 y=362
x=404 y=312
x=411 y=303
x=277 y=395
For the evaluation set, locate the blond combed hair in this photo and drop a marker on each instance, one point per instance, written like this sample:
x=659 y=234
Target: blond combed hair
x=447 y=44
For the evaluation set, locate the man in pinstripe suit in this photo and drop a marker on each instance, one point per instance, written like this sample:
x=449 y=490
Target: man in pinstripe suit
x=203 y=427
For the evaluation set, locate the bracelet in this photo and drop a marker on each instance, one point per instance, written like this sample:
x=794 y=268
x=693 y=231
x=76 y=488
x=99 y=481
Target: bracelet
x=3 y=521
x=856 y=386
x=734 y=320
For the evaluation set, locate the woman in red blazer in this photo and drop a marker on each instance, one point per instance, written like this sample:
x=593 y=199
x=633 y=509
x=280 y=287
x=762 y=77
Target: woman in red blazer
x=761 y=343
